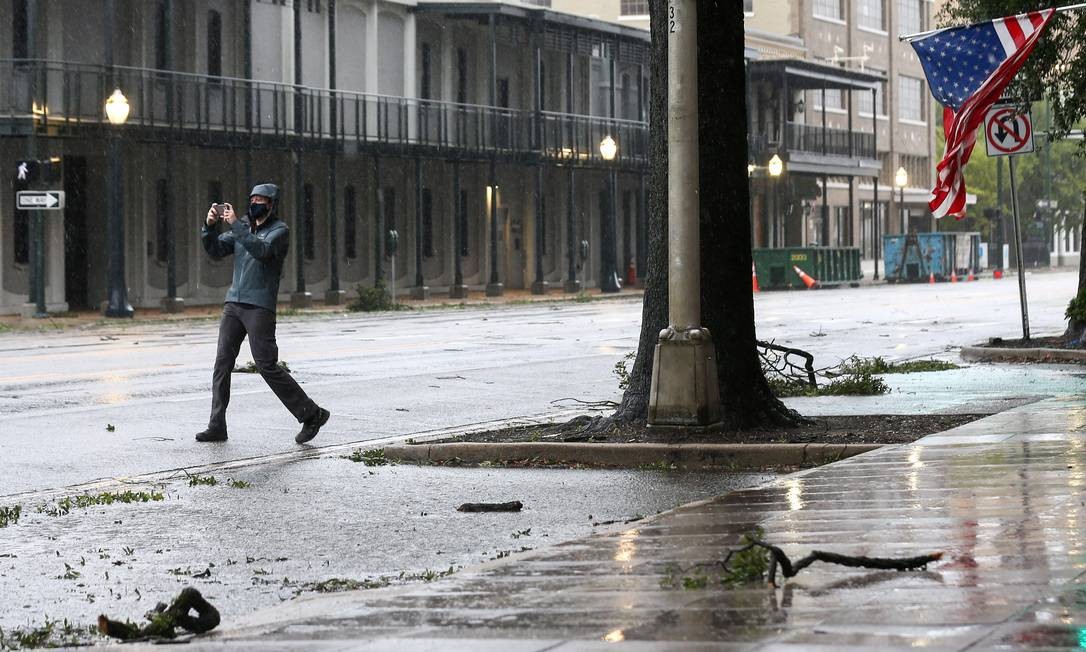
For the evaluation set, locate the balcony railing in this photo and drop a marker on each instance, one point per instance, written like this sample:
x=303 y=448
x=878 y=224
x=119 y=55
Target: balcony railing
x=73 y=95
x=835 y=142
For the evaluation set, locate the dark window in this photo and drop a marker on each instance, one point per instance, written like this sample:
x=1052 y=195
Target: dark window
x=314 y=6
x=427 y=223
x=461 y=75
x=214 y=43
x=161 y=37
x=462 y=215
x=350 y=219
x=424 y=90
x=20 y=45
x=22 y=226
x=214 y=193
x=308 y=209
x=390 y=208
x=162 y=193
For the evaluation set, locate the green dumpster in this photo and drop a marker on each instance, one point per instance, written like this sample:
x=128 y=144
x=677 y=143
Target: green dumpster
x=830 y=266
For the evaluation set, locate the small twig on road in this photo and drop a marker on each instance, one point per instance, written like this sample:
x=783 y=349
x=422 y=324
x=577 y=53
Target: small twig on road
x=594 y=404
x=513 y=506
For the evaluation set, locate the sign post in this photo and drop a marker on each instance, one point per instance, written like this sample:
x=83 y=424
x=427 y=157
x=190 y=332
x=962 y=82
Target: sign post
x=1009 y=133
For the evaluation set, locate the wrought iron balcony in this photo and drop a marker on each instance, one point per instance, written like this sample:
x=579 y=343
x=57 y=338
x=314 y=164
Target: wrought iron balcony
x=829 y=141
x=223 y=110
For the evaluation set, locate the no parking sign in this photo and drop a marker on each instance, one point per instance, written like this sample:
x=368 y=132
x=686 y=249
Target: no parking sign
x=1007 y=132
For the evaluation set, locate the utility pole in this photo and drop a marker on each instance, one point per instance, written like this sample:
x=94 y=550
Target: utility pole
x=685 y=392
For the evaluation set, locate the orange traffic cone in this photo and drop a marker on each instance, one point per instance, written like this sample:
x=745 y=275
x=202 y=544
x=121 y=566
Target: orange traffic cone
x=953 y=276
x=807 y=280
x=971 y=277
x=753 y=279
x=931 y=278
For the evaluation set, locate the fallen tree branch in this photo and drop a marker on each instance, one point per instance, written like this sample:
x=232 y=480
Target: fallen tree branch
x=165 y=620
x=756 y=560
x=790 y=568
x=512 y=506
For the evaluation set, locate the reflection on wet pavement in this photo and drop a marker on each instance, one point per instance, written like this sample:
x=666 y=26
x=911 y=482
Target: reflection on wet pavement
x=1002 y=497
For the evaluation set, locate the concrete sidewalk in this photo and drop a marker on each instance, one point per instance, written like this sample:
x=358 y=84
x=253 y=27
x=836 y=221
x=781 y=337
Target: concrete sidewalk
x=1000 y=496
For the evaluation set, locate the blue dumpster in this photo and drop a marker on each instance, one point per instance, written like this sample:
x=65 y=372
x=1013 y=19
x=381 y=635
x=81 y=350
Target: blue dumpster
x=916 y=257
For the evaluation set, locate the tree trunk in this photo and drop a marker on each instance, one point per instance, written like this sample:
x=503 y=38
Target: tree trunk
x=1075 y=335
x=727 y=302
x=635 y=401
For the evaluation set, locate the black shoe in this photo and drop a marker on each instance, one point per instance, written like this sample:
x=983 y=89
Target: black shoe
x=311 y=427
x=211 y=435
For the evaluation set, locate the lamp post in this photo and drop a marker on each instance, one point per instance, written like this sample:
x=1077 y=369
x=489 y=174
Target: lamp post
x=608 y=265
x=901 y=179
x=117 y=306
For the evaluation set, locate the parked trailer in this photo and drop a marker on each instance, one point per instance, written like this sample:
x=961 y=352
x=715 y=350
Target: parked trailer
x=916 y=257
x=830 y=266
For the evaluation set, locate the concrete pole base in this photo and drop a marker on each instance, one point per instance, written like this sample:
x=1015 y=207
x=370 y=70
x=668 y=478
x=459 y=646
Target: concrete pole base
x=572 y=287
x=540 y=287
x=420 y=292
x=172 y=305
x=685 y=392
x=335 y=297
x=495 y=289
x=30 y=310
x=301 y=300
x=458 y=292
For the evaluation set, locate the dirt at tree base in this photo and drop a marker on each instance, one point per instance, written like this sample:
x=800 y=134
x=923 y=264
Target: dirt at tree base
x=864 y=429
x=1052 y=342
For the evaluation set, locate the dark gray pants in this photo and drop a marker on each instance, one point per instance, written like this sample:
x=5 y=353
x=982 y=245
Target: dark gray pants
x=239 y=320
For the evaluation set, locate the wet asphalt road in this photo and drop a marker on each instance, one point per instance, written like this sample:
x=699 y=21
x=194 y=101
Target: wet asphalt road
x=382 y=376
x=399 y=374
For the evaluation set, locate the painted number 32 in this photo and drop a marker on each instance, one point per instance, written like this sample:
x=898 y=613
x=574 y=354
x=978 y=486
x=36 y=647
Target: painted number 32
x=674 y=22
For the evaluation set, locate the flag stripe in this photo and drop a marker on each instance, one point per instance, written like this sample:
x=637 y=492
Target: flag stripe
x=1004 y=37
x=1015 y=30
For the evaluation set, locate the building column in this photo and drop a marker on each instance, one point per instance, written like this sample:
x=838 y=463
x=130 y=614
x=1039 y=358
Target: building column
x=300 y=298
x=410 y=89
x=333 y=296
x=494 y=287
x=458 y=290
x=539 y=286
x=378 y=224
x=420 y=291
x=572 y=285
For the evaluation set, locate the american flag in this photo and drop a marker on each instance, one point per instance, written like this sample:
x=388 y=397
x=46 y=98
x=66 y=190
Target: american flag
x=967 y=69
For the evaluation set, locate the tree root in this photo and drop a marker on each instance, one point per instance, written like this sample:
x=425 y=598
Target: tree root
x=165 y=620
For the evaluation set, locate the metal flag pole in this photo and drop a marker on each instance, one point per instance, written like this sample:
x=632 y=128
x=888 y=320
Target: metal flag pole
x=919 y=35
x=1018 y=254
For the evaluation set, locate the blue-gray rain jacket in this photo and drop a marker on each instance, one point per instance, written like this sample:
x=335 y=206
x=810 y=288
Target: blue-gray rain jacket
x=258 y=258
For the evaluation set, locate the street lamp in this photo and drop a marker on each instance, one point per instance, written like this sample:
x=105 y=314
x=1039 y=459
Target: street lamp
x=776 y=166
x=901 y=179
x=117 y=305
x=608 y=264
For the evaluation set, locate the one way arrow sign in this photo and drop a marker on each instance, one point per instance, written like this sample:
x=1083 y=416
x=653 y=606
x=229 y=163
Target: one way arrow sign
x=38 y=200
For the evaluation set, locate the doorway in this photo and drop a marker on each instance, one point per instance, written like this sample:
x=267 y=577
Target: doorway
x=76 y=263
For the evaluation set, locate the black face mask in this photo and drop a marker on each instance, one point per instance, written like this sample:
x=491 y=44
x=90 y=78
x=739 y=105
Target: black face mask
x=258 y=211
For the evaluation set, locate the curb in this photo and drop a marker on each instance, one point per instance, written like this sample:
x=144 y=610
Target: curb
x=993 y=354
x=687 y=456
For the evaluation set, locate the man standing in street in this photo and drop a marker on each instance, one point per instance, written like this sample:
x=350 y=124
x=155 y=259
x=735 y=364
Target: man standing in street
x=259 y=247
